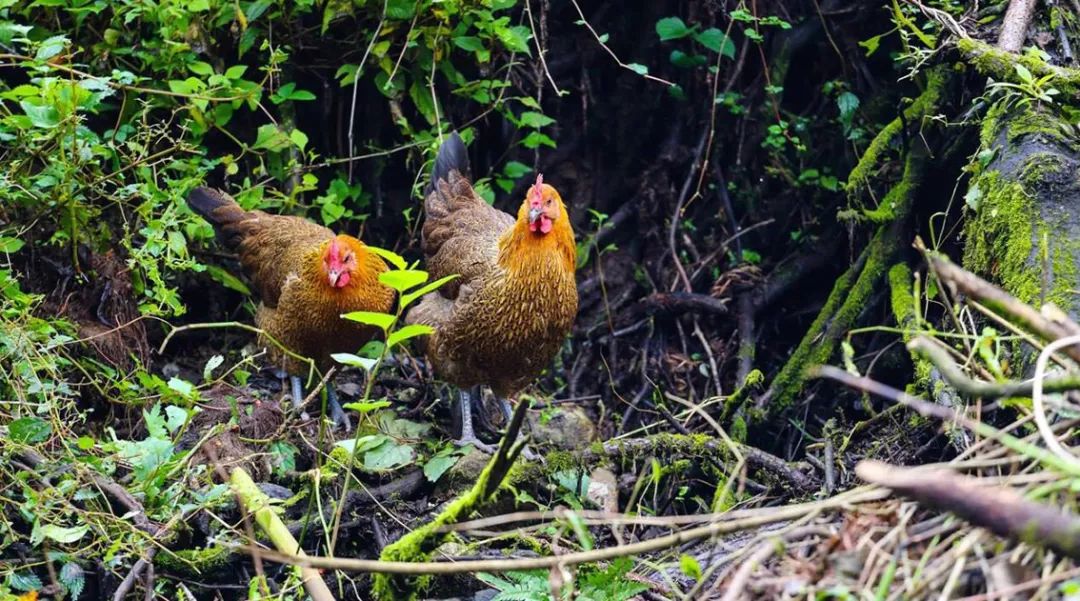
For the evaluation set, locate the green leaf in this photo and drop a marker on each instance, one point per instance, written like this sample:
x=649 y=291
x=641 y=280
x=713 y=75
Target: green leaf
x=175 y=418
x=537 y=139
x=201 y=68
x=847 y=103
x=534 y=119
x=270 y=137
x=211 y=364
x=59 y=533
x=407 y=299
x=871 y=44
x=29 y=430
x=24 y=581
x=388 y=455
x=403 y=279
x=690 y=566
x=352 y=360
x=437 y=466
x=672 y=28
x=51 y=47
x=299 y=138
x=379 y=320
x=1023 y=72
x=283 y=457
x=421 y=97
x=185 y=388
x=515 y=38
x=73 y=579
x=367 y=406
x=686 y=61
x=638 y=68
x=10 y=245
x=43 y=116
x=468 y=42
x=392 y=257
x=364 y=443
x=515 y=169
x=408 y=332
x=717 y=41
x=400 y=9
x=235 y=71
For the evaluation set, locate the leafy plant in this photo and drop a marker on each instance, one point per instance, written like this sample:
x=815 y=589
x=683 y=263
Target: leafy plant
x=592 y=584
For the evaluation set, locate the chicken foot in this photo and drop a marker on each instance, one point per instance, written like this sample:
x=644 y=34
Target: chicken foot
x=468 y=434
x=337 y=414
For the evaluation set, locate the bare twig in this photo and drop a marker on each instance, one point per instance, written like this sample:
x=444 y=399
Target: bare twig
x=1015 y=25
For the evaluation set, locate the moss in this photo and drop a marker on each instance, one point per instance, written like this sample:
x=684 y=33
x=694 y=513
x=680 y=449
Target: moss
x=1039 y=167
x=195 y=561
x=419 y=544
x=735 y=401
x=903 y=300
x=1029 y=120
x=1000 y=65
x=1007 y=237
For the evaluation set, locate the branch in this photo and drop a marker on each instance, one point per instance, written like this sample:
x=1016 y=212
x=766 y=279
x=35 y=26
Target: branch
x=987 y=390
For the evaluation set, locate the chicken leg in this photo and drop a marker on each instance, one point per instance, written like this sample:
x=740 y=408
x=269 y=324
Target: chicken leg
x=337 y=414
x=468 y=435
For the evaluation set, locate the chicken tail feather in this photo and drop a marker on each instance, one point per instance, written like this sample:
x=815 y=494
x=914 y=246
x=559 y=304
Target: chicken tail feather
x=452 y=156
x=219 y=209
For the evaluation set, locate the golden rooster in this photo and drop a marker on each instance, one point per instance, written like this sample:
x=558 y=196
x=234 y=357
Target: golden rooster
x=503 y=320
x=306 y=277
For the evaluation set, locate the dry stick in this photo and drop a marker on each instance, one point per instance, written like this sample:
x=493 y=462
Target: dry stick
x=1038 y=408
x=1001 y=510
x=987 y=390
x=998 y=300
x=737 y=586
x=859 y=495
x=1015 y=25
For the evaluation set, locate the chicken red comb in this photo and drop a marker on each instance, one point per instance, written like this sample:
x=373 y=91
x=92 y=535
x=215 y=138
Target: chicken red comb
x=537 y=191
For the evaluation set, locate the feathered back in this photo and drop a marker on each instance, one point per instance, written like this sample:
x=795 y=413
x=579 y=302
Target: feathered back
x=270 y=247
x=461 y=232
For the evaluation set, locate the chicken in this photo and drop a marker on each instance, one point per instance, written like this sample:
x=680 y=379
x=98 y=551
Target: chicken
x=503 y=320
x=306 y=277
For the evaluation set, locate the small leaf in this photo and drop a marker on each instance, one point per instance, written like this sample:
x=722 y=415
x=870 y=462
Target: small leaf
x=470 y=43
x=403 y=279
x=45 y=117
x=175 y=417
x=392 y=257
x=211 y=364
x=51 y=47
x=437 y=466
x=690 y=566
x=367 y=406
x=671 y=28
x=371 y=318
x=185 y=388
x=407 y=299
x=271 y=137
x=515 y=169
x=1023 y=72
x=10 y=245
x=408 y=332
x=388 y=455
x=637 y=68
x=201 y=68
x=354 y=361
x=535 y=120
x=227 y=279
x=29 y=430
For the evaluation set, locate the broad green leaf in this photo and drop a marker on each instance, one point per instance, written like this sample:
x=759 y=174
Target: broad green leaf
x=672 y=28
x=437 y=466
x=235 y=71
x=211 y=364
x=299 y=138
x=59 y=533
x=271 y=137
x=51 y=47
x=1023 y=72
x=407 y=299
x=10 y=245
x=536 y=120
x=389 y=455
x=43 y=116
x=403 y=279
x=717 y=41
x=406 y=333
x=354 y=360
x=201 y=68
x=392 y=257
x=537 y=139
x=686 y=61
x=175 y=417
x=369 y=441
x=371 y=318
x=515 y=169
x=468 y=42
x=637 y=68
x=185 y=388
x=515 y=38
x=29 y=430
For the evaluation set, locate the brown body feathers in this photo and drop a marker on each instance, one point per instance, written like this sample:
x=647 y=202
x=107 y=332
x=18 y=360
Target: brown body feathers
x=503 y=320
x=285 y=257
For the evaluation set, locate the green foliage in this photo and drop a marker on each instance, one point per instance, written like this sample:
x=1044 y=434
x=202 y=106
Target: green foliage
x=592 y=584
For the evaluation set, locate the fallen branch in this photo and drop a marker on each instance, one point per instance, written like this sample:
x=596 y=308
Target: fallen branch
x=987 y=390
x=1015 y=25
x=256 y=502
x=676 y=303
x=1000 y=510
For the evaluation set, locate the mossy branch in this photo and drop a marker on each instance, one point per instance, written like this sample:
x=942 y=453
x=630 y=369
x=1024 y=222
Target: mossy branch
x=1001 y=65
x=257 y=503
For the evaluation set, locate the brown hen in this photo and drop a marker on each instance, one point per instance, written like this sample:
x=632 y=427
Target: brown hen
x=306 y=277
x=503 y=320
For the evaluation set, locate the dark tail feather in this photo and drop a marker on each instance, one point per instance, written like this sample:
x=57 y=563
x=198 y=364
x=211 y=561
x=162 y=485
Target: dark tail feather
x=219 y=209
x=452 y=156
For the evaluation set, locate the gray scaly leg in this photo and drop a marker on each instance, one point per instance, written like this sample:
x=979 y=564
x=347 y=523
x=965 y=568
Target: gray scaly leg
x=297 y=390
x=468 y=435
x=340 y=417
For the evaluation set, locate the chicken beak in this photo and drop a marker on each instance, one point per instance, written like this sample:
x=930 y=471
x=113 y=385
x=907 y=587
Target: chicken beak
x=333 y=274
x=534 y=214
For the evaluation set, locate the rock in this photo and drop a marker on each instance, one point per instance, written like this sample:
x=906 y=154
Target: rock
x=603 y=490
x=565 y=427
